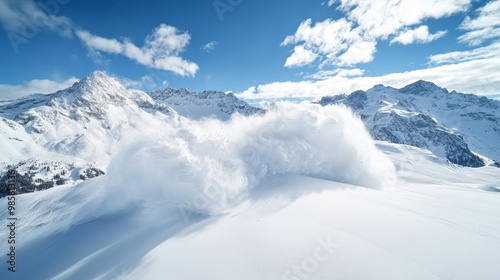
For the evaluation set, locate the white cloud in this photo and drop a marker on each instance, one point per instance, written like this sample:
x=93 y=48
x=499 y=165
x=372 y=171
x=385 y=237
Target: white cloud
x=26 y=17
x=382 y=18
x=161 y=49
x=361 y=51
x=209 y=47
x=328 y=39
x=22 y=20
x=486 y=26
x=99 y=43
x=477 y=76
x=325 y=74
x=417 y=35
x=331 y=2
x=300 y=57
x=490 y=51
x=144 y=83
x=34 y=86
x=353 y=39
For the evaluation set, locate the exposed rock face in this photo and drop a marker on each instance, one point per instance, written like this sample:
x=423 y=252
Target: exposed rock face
x=453 y=125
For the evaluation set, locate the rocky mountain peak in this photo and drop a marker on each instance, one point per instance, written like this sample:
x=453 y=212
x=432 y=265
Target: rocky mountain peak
x=461 y=127
x=203 y=104
x=421 y=87
x=98 y=86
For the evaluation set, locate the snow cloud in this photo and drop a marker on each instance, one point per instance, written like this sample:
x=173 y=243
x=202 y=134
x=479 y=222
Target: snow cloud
x=161 y=49
x=353 y=39
x=205 y=167
x=208 y=165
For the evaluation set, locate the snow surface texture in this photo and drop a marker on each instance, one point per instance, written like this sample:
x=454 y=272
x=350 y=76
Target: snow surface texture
x=440 y=222
x=464 y=128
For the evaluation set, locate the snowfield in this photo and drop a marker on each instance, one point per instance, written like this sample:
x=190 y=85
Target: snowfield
x=301 y=192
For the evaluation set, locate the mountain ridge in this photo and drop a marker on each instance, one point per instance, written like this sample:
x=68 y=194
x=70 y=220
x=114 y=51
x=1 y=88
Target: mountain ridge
x=425 y=115
x=76 y=131
x=79 y=128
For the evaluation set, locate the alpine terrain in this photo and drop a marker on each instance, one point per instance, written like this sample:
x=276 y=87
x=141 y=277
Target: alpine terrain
x=464 y=128
x=117 y=183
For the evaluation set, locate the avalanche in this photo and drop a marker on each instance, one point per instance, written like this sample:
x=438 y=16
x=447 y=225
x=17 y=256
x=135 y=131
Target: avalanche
x=298 y=192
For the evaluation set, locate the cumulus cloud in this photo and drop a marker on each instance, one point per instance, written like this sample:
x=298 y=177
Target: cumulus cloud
x=353 y=39
x=480 y=76
x=22 y=20
x=34 y=86
x=380 y=19
x=327 y=39
x=484 y=27
x=161 y=49
x=417 y=35
x=209 y=47
x=300 y=57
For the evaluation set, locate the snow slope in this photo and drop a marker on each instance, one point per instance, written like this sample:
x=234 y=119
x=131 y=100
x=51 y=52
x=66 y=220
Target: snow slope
x=84 y=126
x=439 y=221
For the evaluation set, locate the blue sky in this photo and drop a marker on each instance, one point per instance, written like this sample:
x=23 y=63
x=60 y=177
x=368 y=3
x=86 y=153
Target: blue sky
x=257 y=49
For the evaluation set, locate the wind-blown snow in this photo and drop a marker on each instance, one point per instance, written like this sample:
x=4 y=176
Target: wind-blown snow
x=207 y=166
x=218 y=162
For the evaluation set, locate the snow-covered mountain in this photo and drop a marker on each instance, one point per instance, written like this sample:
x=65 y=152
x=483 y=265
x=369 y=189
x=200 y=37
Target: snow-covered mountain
x=80 y=128
x=167 y=184
x=464 y=128
x=204 y=104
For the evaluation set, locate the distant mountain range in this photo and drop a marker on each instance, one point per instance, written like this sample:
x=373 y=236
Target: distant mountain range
x=71 y=135
x=464 y=128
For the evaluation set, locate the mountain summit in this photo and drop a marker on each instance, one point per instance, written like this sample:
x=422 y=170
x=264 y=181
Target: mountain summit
x=424 y=88
x=73 y=133
x=464 y=128
x=99 y=86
